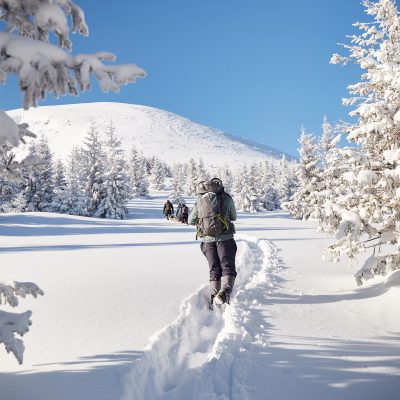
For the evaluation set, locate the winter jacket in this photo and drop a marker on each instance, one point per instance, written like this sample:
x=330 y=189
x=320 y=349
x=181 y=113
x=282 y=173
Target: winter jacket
x=229 y=213
x=168 y=208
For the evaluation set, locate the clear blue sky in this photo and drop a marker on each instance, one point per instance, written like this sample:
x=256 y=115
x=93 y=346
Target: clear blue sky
x=254 y=68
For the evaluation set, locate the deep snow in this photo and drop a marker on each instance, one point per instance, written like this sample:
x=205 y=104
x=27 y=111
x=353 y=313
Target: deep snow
x=297 y=327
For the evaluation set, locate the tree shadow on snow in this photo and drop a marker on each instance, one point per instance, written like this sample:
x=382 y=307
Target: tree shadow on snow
x=56 y=225
x=67 y=247
x=328 y=368
x=357 y=294
x=99 y=379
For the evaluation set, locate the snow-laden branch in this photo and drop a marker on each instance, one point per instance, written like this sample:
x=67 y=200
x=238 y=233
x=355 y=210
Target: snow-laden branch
x=12 y=133
x=9 y=292
x=36 y=18
x=42 y=67
x=12 y=324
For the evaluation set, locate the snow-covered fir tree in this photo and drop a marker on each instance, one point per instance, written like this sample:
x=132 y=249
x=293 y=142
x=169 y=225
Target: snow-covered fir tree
x=95 y=166
x=27 y=199
x=60 y=186
x=326 y=143
x=9 y=188
x=42 y=67
x=202 y=173
x=158 y=174
x=138 y=174
x=303 y=202
x=370 y=209
x=117 y=182
x=331 y=166
x=75 y=199
x=44 y=176
x=192 y=177
x=268 y=188
x=286 y=179
x=178 y=183
x=246 y=195
x=226 y=176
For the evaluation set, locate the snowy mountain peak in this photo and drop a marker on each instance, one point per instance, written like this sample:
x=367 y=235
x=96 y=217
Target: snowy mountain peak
x=155 y=132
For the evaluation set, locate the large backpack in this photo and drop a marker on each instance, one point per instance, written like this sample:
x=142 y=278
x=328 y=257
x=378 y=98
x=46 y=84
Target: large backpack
x=210 y=209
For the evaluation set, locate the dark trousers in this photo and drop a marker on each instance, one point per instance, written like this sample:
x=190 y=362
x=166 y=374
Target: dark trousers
x=221 y=258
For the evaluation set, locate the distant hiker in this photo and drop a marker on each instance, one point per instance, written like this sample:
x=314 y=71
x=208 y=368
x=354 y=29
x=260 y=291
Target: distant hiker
x=213 y=214
x=168 y=209
x=184 y=213
x=178 y=214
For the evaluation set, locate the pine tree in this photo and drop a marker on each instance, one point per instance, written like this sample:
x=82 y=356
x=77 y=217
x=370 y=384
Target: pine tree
x=27 y=199
x=60 y=187
x=202 y=173
x=95 y=191
x=268 y=189
x=157 y=176
x=75 y=197
x=178 y=183
x=9 y=188
x=226 y=177
x=44 y=176
x=370 y=208
x=245 y=191
x=285 y=178
x=329 y=175
x=304 y=199
x=192 y=175
x=138 y=174
x=116 y=182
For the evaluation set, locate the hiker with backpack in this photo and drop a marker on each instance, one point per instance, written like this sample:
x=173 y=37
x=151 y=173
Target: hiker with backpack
x=213 y=214
x=184 y=213
x=168 y=209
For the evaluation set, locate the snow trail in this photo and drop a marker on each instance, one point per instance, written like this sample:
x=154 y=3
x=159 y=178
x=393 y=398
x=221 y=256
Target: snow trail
x=205 y=354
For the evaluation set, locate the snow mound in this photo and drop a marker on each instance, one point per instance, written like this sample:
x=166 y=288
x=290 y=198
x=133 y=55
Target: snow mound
x=393 y=281
x=156 y=132
x=205 y=354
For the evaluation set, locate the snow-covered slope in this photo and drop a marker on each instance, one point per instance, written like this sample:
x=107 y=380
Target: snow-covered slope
x=155 y=132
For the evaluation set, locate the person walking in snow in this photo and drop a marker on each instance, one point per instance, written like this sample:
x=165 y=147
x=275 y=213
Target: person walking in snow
x=213 y=214
x=168 y=209
x=184 y=213
x=178 y=214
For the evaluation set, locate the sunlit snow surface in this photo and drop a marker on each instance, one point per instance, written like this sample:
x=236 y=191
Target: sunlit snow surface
x=124 y=314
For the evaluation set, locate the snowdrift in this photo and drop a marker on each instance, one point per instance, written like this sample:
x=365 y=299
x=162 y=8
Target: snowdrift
x=205 y=354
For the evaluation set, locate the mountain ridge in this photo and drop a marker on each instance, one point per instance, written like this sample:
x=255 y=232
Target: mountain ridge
x=154 y=131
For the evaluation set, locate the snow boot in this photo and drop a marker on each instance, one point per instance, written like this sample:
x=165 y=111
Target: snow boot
x=223 y=296
x=215 y=287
